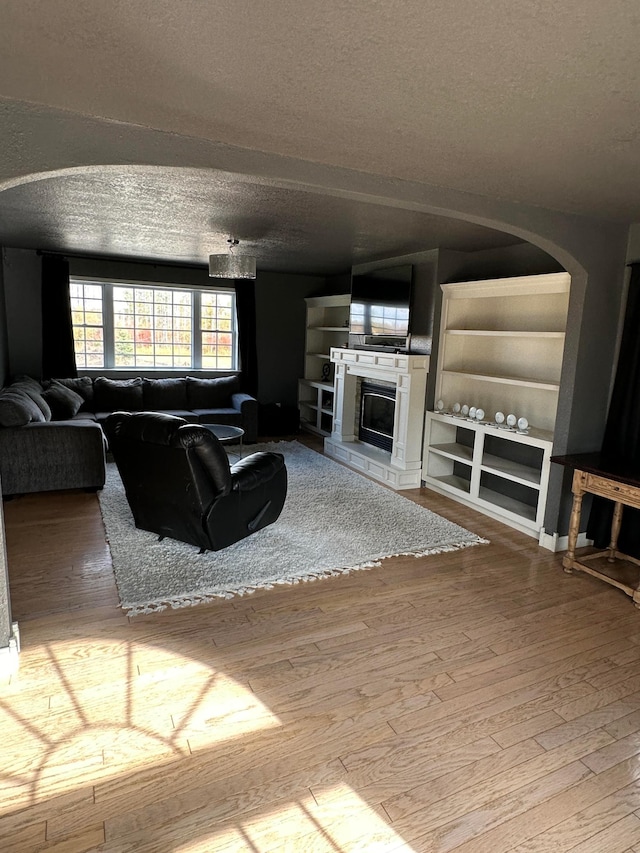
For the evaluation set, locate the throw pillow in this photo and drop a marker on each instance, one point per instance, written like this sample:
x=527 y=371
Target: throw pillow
x=114 y=395
x=17 y=409
x=164 y=394
x=211 y=393
x=82 y=385
x=64 y=402
x=33 y=390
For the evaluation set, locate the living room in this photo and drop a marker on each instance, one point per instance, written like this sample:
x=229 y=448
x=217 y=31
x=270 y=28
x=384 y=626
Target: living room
x=463 y=700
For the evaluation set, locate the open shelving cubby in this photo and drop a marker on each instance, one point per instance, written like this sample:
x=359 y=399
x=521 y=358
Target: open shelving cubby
x=501 y=350
x=327 y=326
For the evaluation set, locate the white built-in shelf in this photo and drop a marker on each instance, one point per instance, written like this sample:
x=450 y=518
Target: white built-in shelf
x=510 y=470
x=343 y=329
x=502 y=473
x=521 y=511
x=326 y=327
x=459 y=452
x=315 y=408
x=501 y=345
x=494 y=333
x=501 y=349
x=519 y=381
x=311 y=383
x=453 y=483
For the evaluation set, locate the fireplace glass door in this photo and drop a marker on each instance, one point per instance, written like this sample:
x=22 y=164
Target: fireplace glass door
x=377 y=412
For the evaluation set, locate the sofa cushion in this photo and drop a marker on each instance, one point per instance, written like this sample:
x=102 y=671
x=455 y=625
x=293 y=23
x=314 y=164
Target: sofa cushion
x=211 y=393
x=164 y=394
x=33 y=389
x=39 y=457
x=17 y=408
x=82 y=385
x=27 y=380
x=113 y=395
x=82 y=415
x=186 y=414
x=223 y=415
x=64 y=402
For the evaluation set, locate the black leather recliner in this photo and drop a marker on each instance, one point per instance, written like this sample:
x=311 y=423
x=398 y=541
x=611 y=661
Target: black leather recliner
x=179 y=483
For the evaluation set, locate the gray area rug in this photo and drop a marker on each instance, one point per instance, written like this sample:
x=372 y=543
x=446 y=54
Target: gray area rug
x=334 y=521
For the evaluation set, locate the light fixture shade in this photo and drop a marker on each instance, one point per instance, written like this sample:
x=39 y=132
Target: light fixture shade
x=232 y=266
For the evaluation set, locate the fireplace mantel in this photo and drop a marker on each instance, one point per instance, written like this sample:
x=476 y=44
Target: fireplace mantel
x=400 y=469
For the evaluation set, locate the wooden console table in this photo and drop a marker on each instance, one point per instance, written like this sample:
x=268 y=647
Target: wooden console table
x=593 y=474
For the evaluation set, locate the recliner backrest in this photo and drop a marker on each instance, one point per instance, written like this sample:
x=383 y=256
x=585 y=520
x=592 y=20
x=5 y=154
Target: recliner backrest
x=172 y=471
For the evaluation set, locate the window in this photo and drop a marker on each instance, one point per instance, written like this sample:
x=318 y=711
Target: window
x=88 y=323
x=125 y=325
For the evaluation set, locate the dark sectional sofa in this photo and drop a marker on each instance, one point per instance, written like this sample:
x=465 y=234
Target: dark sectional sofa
x=51 y=435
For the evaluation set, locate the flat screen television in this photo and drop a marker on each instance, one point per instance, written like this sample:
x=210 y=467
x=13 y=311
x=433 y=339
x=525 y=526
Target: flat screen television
x=379 y=314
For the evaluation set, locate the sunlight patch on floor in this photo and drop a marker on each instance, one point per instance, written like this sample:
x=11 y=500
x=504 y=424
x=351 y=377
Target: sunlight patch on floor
x=80 y=712
x=345 y=823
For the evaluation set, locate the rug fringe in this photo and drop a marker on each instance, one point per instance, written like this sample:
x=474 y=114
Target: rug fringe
x=137 y=608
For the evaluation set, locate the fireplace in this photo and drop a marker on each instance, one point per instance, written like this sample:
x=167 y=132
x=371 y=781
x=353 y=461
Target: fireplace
x=377 y=412
x=399 y=374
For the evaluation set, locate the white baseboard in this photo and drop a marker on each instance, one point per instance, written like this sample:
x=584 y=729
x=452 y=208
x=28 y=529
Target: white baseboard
x=10 y=655
x=553 y=542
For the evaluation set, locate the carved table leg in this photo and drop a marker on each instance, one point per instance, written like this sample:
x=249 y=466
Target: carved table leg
x=615 y=532
x=574 y=526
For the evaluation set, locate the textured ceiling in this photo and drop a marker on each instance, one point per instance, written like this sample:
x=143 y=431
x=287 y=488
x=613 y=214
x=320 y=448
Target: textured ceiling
x=529 y=101
x=186 y=214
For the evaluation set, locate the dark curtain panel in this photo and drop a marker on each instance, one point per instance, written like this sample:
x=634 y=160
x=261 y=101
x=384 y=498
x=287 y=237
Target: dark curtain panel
x=622 y=434
x=58 y=358
x=246 y=310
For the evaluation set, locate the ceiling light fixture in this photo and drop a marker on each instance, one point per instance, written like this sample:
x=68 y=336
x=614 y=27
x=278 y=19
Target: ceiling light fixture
x=230 y=265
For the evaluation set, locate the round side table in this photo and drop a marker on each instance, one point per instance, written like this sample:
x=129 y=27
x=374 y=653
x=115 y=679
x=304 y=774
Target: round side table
x=227 y=434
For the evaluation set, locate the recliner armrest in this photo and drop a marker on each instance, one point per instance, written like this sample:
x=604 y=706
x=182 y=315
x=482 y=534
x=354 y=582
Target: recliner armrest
x=254 y=470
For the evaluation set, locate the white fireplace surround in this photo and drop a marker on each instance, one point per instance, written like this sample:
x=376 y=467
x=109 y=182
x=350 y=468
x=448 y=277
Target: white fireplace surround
x=400 y=469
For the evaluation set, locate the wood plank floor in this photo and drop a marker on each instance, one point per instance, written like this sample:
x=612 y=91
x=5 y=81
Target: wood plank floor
x=480 y=701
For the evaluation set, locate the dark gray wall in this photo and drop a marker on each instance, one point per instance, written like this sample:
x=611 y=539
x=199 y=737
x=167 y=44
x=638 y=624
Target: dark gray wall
x=4 y=346
x=336 y=284
x=521 y=259
x=633 y=244
x=5 y=603
x=280 y=321
x=22 y=287
x=134 y=271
